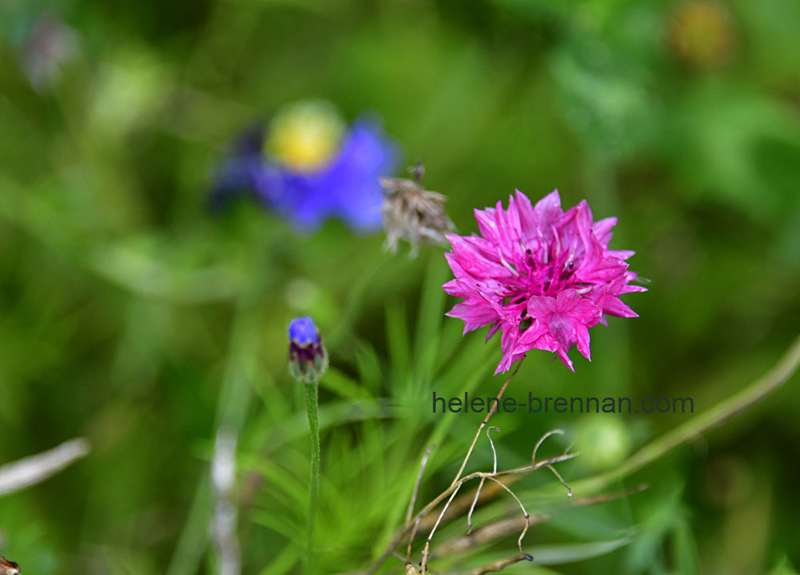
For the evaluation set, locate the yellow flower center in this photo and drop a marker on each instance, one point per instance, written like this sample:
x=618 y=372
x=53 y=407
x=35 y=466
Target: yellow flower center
x=305 y=136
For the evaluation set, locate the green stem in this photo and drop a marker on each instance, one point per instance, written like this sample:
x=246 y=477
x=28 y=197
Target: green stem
x=717 y=415
x=312 y=406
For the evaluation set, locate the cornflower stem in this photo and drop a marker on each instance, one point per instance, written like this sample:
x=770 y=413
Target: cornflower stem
x=485 y=422
x=781 y=372
x=312 y=407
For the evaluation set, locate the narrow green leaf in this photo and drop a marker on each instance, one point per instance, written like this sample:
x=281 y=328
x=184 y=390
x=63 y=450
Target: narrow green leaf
x=429 y=320
x=284 y=562
x=397 y=338
x=783 y=567
x=685 y=550
x=343 y=386
x=369 y=367
x=568 y=553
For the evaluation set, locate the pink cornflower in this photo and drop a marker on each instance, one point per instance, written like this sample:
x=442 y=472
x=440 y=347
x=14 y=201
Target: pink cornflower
x=540 y=275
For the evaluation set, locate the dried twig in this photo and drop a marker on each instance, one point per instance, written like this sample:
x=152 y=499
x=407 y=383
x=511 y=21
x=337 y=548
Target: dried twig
x=462 y=503
x=483 y=480
x=413 y=502
x=501 y=564
x=541 y=440
x=492 y=476
x=36 y=468
x=488 y=533
x=426 y=550
x=485 y=421
x=606 y=497
x=449 y=493
x=224 y=517
x=507 y=525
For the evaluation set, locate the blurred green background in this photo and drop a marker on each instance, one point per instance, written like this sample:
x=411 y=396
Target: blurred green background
x=131 y=316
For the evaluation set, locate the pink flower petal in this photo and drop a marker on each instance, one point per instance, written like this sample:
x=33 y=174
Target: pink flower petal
x=541 y=276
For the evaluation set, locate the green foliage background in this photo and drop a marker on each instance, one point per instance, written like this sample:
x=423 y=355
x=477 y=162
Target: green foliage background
x=130 y=316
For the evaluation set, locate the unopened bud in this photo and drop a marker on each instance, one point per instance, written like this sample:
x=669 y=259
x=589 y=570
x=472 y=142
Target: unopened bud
x=308 y=359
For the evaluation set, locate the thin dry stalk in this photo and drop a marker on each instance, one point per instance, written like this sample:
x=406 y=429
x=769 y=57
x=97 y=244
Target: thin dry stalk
x=487 y=534
x=501 y=564
x=483 y=476
x=413 y=501
x=485 y=421
x=524 y=513
x=447 y=493
x=36 y=468
x=222 y=525
x=507 y=525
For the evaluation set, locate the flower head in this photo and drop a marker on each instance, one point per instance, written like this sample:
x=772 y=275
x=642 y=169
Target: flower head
x=540 y=275
x=309 y=167
x=308 y=359
x=238 y=172
x=413 y=213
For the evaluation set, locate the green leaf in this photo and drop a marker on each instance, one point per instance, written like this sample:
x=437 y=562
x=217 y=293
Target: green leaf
x=369 y=367
x=398 y=339
x=283 y=562
x=429 y=320
x=569 y=553
x=685 y=549
x=342 y=385
x=783 y=567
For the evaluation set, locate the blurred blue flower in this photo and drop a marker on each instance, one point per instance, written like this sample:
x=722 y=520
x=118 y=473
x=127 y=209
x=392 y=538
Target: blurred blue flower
x=236 y=175
x=309 y=167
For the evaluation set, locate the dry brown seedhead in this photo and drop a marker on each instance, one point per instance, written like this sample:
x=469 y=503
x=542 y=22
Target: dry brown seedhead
x=8 y=567
x=412 y=213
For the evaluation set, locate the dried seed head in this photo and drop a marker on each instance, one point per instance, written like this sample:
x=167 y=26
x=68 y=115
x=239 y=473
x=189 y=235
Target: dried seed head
x=8 y=567
x=412 y=213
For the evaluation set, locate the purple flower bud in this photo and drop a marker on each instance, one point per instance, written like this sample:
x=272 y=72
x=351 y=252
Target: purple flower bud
x=308 y=359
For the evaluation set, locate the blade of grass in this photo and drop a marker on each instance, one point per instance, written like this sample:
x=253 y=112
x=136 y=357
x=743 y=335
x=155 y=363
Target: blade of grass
x=429 y=319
